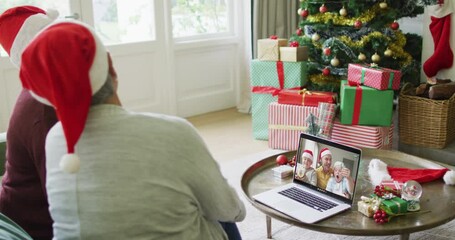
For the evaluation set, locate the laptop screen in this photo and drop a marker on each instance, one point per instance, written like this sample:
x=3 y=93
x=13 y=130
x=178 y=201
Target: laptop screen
x=327 y=167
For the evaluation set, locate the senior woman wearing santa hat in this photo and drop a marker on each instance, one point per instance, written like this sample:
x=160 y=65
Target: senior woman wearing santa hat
x=116 y=174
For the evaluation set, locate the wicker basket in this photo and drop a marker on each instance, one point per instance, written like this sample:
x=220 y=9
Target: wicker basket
x=425 y=122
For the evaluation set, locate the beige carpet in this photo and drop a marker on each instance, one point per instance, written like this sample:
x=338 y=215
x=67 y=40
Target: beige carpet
x=254 y=227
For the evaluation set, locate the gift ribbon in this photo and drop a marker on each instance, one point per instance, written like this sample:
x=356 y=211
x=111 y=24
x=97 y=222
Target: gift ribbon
x=304 y=92
x=287 y=127
x=398 y=204
x=273 y=90
x=357 y=105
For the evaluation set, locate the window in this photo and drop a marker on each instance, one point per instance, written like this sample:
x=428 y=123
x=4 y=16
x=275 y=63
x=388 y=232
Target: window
x=119 y=21
x=192 y=18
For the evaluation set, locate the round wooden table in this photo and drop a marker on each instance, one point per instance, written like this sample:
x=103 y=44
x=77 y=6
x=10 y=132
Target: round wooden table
x=437 y=201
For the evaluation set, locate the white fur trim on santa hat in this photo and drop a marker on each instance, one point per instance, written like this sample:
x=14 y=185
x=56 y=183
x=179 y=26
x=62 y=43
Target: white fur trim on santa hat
x=70 y=163
x=325 y=152
x=441 y=10
x=377 y=170
x=31 y=26
x=449 y=177
x=307 y=155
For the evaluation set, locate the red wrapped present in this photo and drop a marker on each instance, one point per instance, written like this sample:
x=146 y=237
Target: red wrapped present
x=376 y=137
x=305 y=97
x=374 y=76
x=286 y=122
x=393 y=185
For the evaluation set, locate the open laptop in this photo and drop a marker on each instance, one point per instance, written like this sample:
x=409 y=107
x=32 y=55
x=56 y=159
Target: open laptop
x=317 y=203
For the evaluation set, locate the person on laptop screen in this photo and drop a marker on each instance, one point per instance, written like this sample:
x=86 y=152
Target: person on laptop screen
x=341 y=182
x=325 y=171
x=305 y=171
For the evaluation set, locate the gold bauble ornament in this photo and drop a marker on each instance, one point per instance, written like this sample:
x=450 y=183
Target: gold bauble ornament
x=388 y=53
x=383 y=5
x=362 y=57
x=335 y=62
x=315 y=37
x=376 y=58
x=343 y=12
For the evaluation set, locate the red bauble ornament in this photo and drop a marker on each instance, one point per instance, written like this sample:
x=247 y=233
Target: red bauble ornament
x=274 y=37
x=323 y=9
x=394 y=25
x=358 y=24
x=299 y=32
x=326 y=71
x=327 y=51
x=282 y=159
x=294 y=44
x=305 y=13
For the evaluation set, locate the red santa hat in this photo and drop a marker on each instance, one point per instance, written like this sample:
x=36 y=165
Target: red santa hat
x=324 y=151
x=64 y=66
x=308 y=154
x=19 y=25
x=380 y=171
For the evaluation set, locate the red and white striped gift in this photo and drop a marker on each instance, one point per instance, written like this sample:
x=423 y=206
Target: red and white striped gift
x=376 y=137
x=286 y=122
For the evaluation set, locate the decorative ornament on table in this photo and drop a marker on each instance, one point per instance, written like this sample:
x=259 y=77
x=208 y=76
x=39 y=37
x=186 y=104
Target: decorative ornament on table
x=394 y=25
x=388 y=52
x=376 y=58
x=383 y=5
x=315 y=37
x=323 y=9
x=282 y=159
x=274 y=37
x=335 y=62
x=362 y=57
x=343 y=12
x=411 y=192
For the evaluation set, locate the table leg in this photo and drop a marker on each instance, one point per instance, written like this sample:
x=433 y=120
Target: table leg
x=268 y=221
x=404 y=236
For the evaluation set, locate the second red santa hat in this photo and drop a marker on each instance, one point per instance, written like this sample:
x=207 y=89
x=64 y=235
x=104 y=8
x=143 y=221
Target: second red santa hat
x=64 y=66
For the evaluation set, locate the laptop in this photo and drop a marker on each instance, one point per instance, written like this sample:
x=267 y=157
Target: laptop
x=309 y=202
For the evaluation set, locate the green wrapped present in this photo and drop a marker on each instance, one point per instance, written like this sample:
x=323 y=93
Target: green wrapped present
x=267 y=79
x=396 y=205
x=362 y=105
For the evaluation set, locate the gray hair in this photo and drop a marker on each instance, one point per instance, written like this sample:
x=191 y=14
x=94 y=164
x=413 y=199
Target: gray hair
x=338 y=164
x=106 y=91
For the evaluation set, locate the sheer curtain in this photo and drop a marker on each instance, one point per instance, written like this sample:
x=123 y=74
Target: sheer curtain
x=268 y=17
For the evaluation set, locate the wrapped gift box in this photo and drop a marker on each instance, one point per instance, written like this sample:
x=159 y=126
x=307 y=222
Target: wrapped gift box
x=375 y=77
x=394 y=185
x=365 y=208
x=305 y=97
x=363 y=136
x=396 y=205
x=269 y=49
x=294 y=54
x=286 y=122
x=362 y=105
x=267 y=79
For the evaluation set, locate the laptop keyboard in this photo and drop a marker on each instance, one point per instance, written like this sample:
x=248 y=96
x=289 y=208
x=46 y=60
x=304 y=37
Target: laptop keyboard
x=308 y=199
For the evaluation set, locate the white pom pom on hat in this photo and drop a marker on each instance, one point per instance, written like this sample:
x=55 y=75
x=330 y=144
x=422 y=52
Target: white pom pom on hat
x=449 y=177
x=65 y=65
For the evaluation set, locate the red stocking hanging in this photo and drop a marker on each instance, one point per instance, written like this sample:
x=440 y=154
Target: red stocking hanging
x=442 y=57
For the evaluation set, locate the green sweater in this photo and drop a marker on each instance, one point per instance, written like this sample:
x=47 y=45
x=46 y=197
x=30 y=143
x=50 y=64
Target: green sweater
x=142 y=176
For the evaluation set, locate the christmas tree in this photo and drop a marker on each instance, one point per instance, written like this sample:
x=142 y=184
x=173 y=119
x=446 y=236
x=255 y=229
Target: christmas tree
x=339 y=32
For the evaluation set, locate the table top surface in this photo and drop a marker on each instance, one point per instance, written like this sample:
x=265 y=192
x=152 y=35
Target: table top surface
x=437 y=201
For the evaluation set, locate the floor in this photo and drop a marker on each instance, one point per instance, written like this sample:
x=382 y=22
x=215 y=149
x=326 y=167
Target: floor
x=228 y=134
